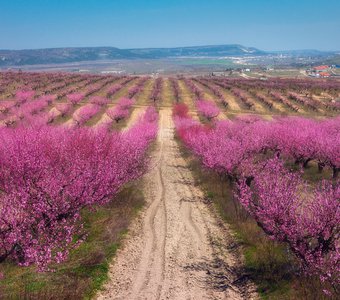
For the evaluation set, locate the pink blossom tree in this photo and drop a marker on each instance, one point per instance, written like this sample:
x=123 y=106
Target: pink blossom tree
x=307 y=221
x=75 y=98
x=85 y=113
x=207 y=109
x=24 y=95
x=97 y=100
x=64 y=108
x=117 y=113
x=48 y=174
x=121 y=111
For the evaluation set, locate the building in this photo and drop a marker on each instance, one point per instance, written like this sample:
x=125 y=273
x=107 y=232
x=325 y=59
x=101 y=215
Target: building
x=324 y=74
x=322 y=71
x=321 y=68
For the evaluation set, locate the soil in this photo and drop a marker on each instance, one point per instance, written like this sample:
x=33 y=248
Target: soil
x=178 y=248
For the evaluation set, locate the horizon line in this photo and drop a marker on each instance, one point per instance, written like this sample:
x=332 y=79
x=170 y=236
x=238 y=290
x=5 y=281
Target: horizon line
x=171 y=47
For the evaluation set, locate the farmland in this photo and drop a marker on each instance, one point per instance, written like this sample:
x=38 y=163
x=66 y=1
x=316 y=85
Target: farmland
x=227 y=187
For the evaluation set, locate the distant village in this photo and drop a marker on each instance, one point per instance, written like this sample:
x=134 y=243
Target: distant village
x=323 y=71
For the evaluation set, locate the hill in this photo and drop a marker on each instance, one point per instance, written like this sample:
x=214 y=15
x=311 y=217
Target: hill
x=67 y=55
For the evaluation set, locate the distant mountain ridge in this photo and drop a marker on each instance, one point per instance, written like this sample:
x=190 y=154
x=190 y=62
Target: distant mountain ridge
x=77 y=54
x=305 y=52
x=9 y=58
x=195 y=51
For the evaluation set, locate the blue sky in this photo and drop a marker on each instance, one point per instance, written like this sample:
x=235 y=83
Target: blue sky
x=265 y=24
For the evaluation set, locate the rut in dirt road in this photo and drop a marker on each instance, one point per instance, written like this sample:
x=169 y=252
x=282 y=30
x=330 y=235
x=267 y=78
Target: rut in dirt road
x=177 y=248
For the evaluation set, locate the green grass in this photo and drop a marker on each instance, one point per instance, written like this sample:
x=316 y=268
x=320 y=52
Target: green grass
x=84 y=273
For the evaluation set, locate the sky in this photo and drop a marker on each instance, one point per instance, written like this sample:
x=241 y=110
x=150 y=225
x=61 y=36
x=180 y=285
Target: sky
x=264 y=24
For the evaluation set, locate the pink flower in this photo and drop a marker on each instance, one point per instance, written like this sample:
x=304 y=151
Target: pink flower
x=48 y=174
x=207 y=109
x=75 y=98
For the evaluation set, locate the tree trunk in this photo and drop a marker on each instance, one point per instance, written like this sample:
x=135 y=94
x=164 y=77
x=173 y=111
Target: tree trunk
x=335 y=172
x=305 y=164
x=320 y=167
x=8 y=253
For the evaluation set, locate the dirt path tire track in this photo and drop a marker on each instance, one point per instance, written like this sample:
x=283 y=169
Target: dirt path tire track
x=177 y=248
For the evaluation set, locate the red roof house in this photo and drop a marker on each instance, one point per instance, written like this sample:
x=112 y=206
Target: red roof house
x=321 y=68
x=324 y=74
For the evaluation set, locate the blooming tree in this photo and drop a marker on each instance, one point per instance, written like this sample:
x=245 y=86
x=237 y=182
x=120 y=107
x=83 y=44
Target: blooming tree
x=48 y=174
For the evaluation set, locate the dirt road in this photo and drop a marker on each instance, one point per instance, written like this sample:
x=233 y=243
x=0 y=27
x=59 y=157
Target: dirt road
x=177 y=248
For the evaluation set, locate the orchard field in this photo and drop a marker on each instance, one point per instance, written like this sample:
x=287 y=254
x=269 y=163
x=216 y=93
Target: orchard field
x=67 y=98
x=229 y=187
